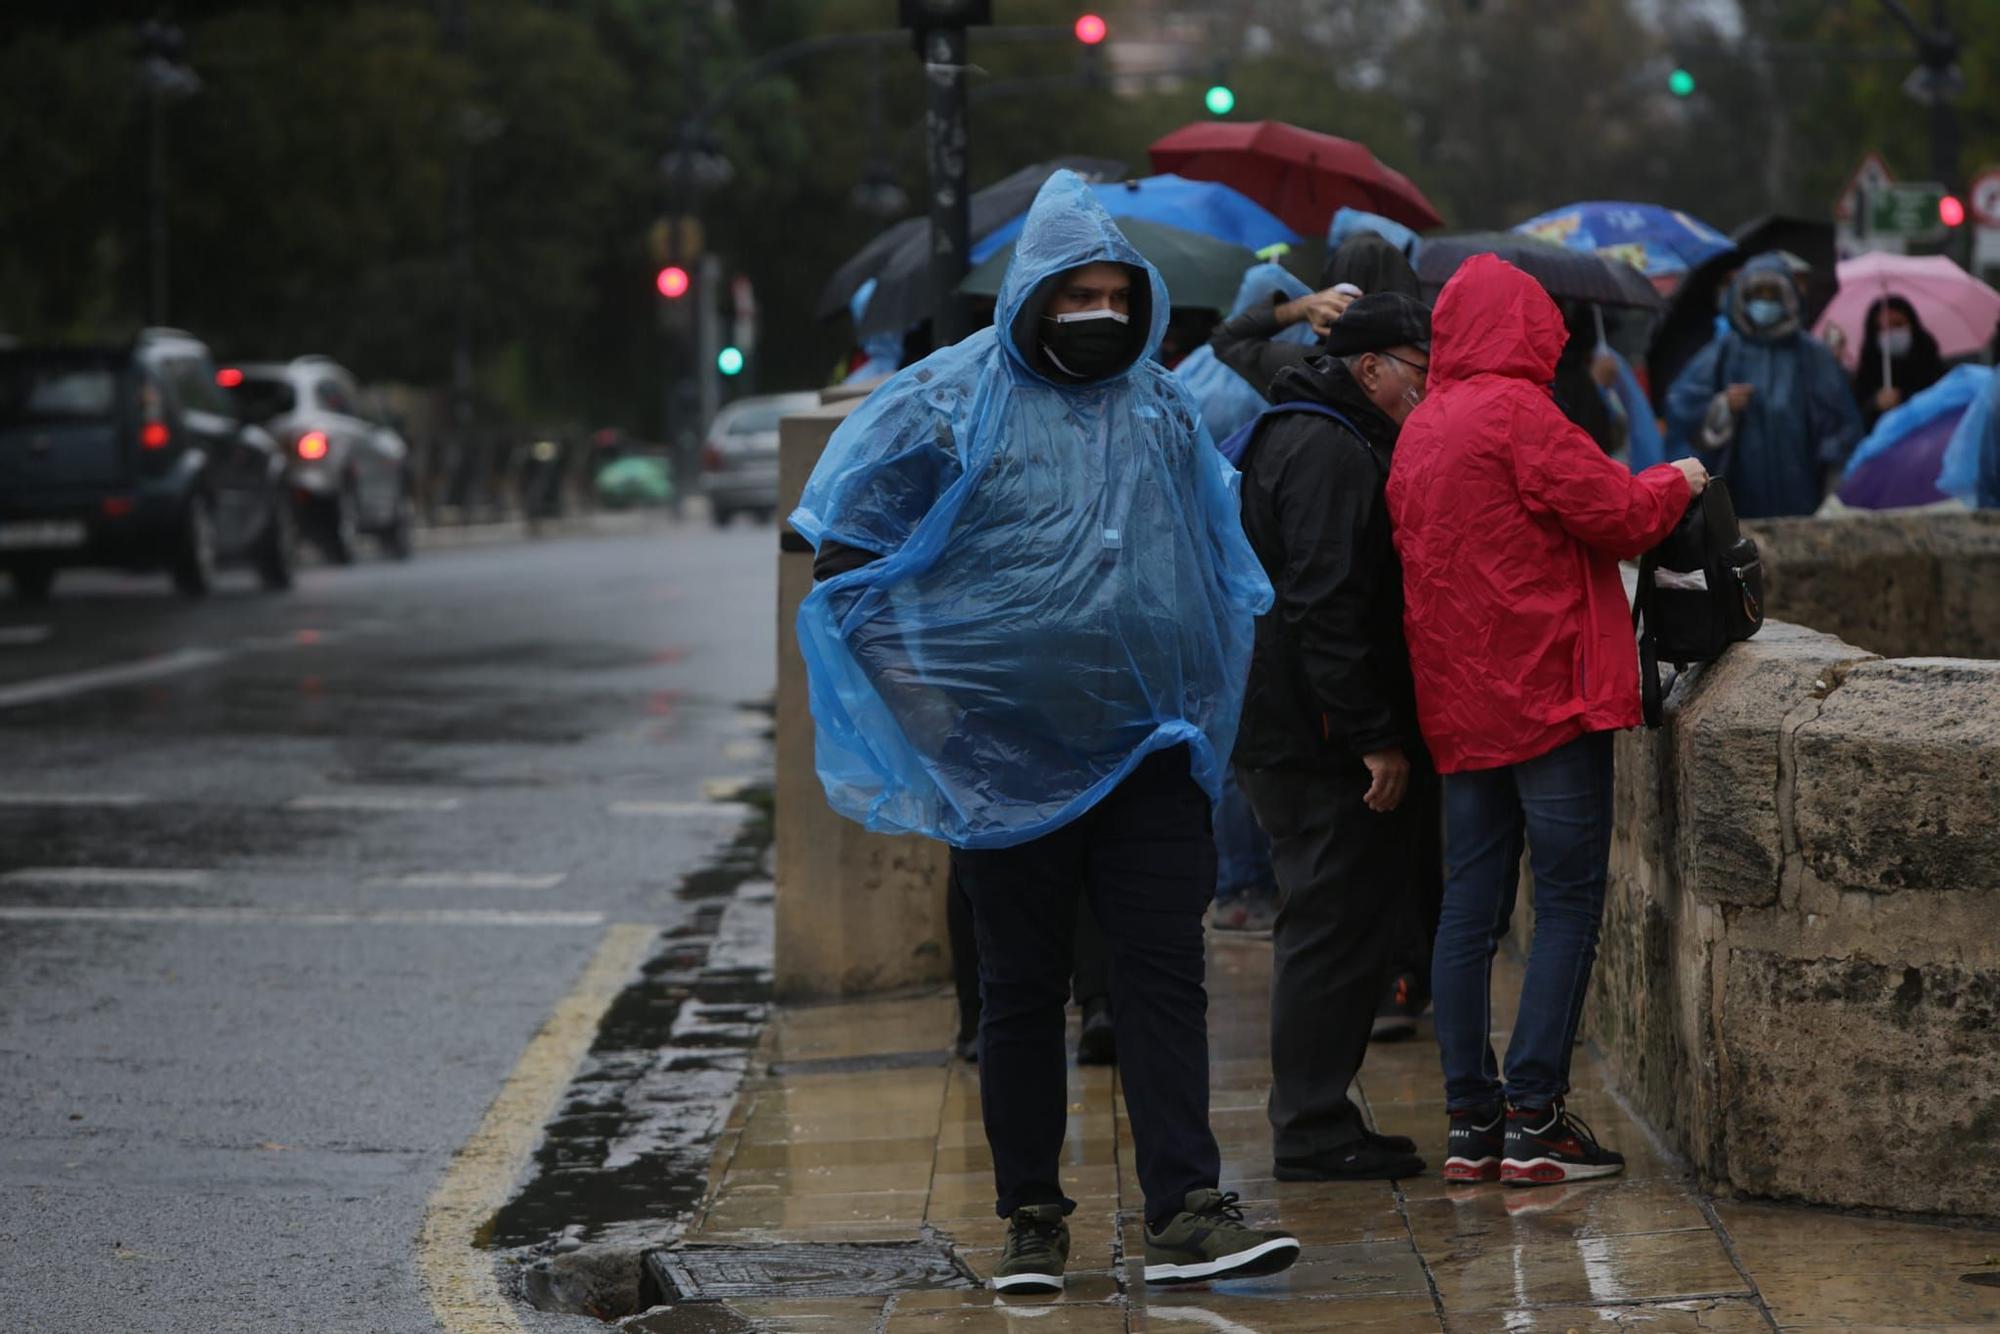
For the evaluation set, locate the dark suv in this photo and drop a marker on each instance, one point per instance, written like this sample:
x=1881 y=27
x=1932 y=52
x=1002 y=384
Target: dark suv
x=134 y=457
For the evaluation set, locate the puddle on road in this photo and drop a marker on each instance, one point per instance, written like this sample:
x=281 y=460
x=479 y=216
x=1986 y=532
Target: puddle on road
x=626 y=1157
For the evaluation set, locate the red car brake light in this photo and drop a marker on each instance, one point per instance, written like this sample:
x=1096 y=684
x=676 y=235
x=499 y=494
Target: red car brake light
x=312 y=445
x=155 y=435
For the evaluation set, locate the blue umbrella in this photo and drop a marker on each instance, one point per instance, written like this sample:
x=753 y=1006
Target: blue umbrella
x=1659 y=242
x=1206 y=207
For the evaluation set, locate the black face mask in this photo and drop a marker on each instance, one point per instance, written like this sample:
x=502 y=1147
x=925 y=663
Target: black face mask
x=1089 y=344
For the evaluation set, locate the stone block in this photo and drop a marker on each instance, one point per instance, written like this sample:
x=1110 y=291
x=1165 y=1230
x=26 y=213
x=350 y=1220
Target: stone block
x=1727 y=727
x=1898 y=779
x=1857 y=1082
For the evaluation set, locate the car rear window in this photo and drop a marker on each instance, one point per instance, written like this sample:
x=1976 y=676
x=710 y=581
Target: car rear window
x=260 y=398
x=755 y=418
x=35 y=390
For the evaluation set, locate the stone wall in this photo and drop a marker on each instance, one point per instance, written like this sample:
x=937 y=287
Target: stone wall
x=1911 y=584
x=1799 y=981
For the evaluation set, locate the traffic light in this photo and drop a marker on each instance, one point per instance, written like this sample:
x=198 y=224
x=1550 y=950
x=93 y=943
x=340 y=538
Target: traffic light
x=1680 y=83
x=672 y=281
x=1091 y=29
x=1219 y=99
x=730 y=361
x=1951 y=211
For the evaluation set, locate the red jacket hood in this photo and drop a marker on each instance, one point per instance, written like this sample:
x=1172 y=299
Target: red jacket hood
x=1493 y=319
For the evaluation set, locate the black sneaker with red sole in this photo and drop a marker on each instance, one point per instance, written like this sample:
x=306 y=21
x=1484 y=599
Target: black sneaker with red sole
x=1549 y=1144
x=1474 y=1146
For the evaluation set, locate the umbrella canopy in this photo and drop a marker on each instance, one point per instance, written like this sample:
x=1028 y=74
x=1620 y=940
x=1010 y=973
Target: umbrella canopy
x=899 y=258
x=1958 y=309
x=1690 y=318
x=1300 y=175
x=1568 y=275
x=1655 y=240
x=1199 y=270
x=1208 y=207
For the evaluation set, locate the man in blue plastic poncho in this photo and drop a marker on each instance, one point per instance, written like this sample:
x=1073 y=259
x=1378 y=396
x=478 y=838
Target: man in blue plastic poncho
x=1030 y=640
x=1765 y=405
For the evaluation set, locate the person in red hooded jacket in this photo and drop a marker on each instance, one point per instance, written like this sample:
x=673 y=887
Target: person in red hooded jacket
x=1510 y=523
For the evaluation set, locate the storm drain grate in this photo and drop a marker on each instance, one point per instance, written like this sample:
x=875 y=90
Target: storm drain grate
x=805 y=1269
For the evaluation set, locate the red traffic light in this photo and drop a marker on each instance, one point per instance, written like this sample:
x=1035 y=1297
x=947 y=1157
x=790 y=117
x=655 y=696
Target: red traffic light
x=1090 y=29
x=1951 y=211
x=673 y=281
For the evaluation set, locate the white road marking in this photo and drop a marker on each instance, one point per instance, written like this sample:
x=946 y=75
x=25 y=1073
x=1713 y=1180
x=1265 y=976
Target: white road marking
x=72 y=799
x=471 y=880
x=683 y=810
x=103 y=678
x=24 y=634
x=744 y=750
x=371 y=801
x=727 y=789
x=145 y=876
x=279 y=917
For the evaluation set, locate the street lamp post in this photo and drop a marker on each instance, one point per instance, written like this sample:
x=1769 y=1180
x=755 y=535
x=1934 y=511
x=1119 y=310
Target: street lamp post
x=940 y=28
x=164 y=69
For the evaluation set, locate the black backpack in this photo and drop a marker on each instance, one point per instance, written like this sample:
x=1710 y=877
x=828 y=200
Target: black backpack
x=1700 y=590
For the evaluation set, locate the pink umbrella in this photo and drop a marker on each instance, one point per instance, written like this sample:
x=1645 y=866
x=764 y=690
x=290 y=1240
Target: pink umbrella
x=1958 y=309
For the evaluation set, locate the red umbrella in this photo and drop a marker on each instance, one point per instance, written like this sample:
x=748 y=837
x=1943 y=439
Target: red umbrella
x=1300 y=175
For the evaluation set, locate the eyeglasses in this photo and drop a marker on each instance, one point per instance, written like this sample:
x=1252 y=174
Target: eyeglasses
x=1423 y=371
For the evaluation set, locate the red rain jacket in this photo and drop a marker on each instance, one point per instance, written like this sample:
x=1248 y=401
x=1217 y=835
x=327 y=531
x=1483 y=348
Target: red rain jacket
x=1510 y=523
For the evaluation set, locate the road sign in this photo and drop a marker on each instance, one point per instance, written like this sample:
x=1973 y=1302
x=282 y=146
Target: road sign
x=1872 y=174
x=1984 y=197
x=1903 y=210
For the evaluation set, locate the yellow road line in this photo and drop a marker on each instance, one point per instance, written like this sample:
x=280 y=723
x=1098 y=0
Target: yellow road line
x=458 y=1276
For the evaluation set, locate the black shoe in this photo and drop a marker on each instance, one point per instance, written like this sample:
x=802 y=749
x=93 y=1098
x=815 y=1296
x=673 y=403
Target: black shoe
x=1391 y=1143
x=1369 y=1158
x=1099 y=1043
x=1396 y=1017
x=1547 y=1144
x=1476 y=1141
x=967 y=1049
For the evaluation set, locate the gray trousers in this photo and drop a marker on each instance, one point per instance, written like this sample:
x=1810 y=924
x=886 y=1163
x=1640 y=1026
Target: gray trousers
x=1346 y=882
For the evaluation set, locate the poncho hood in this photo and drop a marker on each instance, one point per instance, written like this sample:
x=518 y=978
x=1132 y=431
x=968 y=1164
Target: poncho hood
x=1493 y=319
x=1067 y=228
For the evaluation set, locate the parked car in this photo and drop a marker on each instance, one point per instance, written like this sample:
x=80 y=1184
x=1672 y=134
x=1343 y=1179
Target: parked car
x=739 y=464
x=350 y=474
x=133 y=457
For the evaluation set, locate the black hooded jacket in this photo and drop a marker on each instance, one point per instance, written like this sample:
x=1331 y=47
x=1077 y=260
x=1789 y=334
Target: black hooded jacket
x=1330 y=675
x=1244 y=342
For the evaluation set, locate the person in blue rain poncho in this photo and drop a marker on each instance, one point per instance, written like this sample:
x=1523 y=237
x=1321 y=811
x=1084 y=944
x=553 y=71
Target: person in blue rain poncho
x=1030 y=640
x=1764 y=405
x=1226 y=399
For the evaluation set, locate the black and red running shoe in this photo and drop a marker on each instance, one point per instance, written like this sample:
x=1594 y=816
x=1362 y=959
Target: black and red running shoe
x=1474 y=1146
x=1547 y=1144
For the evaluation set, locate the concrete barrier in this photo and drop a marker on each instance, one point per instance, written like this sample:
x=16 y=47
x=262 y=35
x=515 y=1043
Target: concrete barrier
x=856 y=912
x=1799 y=980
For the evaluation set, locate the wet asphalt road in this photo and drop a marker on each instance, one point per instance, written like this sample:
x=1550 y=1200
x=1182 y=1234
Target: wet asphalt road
x=288 y=882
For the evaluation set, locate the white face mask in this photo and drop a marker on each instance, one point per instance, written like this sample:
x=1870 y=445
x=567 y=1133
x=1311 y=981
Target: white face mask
x=1894 y=342
x=1081 y=316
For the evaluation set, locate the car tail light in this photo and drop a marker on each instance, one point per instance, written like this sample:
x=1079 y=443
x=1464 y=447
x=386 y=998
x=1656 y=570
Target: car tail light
x=117 y=507
x=312 y=445
x=229 y=377
x=711 y=458
x=155 y=435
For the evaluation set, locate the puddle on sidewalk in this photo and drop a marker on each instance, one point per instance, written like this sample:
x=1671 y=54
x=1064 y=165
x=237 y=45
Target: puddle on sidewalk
x=626 y=1156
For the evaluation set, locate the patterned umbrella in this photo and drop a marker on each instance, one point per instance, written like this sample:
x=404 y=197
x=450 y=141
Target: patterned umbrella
x=1659 y=242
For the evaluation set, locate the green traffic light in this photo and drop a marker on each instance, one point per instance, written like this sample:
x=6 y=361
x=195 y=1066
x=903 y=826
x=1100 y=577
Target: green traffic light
x=729 y=361
x=1220 y=100
x=1680 y=83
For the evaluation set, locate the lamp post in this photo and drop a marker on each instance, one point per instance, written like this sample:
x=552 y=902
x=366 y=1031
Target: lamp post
x=164 y=69
x=940 y=29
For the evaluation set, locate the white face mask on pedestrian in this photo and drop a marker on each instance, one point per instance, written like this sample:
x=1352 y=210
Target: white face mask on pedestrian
x=1894 y=342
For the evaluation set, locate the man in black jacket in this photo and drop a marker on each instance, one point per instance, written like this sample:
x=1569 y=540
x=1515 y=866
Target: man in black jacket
x=1247 y=343
x=1328 y=751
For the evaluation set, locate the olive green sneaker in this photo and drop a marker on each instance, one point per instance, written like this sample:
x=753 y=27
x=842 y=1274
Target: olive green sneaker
x=1208 y=1241
x=1037 y=1249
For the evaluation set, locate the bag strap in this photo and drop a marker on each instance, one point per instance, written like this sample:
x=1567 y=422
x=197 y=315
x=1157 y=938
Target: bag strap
x=1650 y=702
x=1294 y=405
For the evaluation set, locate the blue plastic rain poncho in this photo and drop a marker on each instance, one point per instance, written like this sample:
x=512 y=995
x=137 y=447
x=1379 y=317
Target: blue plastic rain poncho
x=1902 y=460
x=1065 y=585
x=1348 y=220
x=1971 y=470
x=1800 y=418
x=1226 y=399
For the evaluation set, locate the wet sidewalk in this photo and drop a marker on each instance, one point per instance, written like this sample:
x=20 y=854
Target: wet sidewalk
x=860 y=1135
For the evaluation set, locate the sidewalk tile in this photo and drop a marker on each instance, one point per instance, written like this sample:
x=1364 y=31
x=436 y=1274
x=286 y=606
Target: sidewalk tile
x=1017 y=1314
x=1495 y=1274
x=1818 y=1269
x=1219 y=1312
x=1724 y=1315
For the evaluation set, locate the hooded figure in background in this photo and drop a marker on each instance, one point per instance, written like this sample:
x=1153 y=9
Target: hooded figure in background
x=1898 y=358
x=1765 y=406
x=1226 y=399
x=1254 y=343
x=1033 y=645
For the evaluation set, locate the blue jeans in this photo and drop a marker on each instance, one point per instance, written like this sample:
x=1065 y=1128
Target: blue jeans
x=1560 y=803
x=1242 y=848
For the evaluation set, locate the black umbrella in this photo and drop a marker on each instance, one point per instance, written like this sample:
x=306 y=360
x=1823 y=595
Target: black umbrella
x=1568 y=275
x=899 y=258
x=1690 y=319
